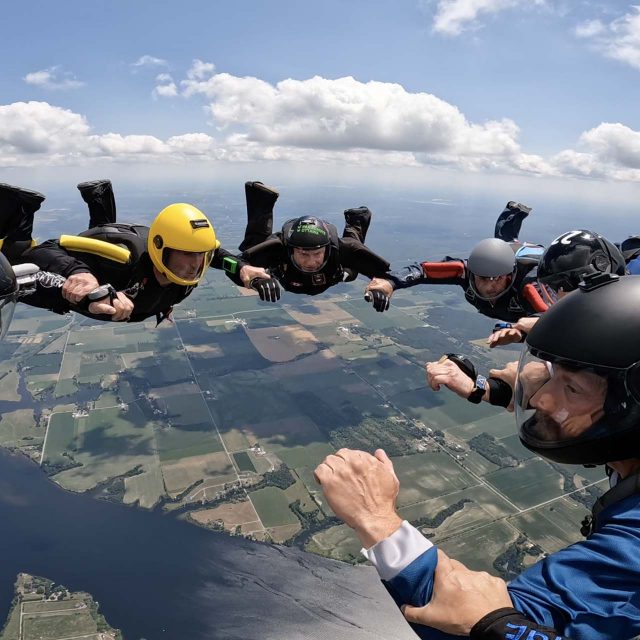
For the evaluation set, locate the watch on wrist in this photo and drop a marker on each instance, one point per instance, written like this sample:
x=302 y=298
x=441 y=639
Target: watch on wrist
x=478 y=391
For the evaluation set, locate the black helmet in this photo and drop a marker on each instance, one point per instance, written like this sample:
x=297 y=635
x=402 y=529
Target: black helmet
x=491 y=258
x=8 y=294
x=578 y=390
x=307 y=232
x=575 y=254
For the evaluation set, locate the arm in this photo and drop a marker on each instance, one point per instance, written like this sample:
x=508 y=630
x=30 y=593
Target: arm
x=532 y=299
x=448 y=372
x=449 y=271
x=357 y=256
x=240 y=272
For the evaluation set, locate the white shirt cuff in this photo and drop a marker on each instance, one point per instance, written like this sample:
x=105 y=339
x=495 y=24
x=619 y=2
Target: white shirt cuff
x=393 y=554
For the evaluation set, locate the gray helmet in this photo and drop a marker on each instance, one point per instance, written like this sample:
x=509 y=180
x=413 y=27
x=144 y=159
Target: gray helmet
x=491 y=258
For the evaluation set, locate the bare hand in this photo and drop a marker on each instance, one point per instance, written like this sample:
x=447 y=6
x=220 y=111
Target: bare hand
x=448 y=373
x=248 y=273
x=505 y=336
x=461 y=598
x=78 y=285
x=380 y=284
x=119 y=311
x=361 y=489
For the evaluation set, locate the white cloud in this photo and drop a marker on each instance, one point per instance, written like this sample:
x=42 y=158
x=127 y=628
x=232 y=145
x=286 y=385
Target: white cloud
x=347 y=114
x=619 y=40
x=39 y=128
x=53 y=78
x=589 y=29
x=452 y=17
x=200 y=70
x=148 y=61
x=336 y=123
x=166 y=88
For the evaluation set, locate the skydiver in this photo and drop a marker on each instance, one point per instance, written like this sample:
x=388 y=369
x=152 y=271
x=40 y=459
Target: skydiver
x=306 y=256
x=148 y=269
x=578 y=397
x=564 y=263
x=498 y=277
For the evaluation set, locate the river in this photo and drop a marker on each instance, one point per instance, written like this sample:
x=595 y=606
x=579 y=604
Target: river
x=158 y=577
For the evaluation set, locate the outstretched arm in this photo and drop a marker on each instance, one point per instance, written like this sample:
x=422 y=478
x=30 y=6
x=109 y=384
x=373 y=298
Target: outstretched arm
x=449 y=271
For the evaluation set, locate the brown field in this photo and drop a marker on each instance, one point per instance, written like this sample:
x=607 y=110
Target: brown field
x=212 y=466
x=180 y=389
x=319 y=362
x=281 y=344
x=326 y=313
x=208 y=350
x=132 y=360
x=231 y=514
x=284 y=532
x=274 y=432
x=234 y=440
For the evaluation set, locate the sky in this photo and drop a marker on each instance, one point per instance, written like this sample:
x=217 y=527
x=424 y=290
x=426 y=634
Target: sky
x=540 y=95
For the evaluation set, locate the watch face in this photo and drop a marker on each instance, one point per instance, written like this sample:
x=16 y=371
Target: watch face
x=481 y=383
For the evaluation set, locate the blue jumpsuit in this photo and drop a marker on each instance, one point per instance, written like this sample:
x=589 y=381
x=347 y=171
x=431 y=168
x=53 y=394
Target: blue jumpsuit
x=587 y=591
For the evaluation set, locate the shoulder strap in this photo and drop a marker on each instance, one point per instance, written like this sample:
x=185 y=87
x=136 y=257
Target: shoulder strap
x=131 y=236
x=624 y=489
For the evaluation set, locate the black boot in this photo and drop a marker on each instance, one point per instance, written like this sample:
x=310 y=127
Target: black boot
x=98 y=194
x=17 y=208
x=357 y=223
x=510 y=220
x=260 y=202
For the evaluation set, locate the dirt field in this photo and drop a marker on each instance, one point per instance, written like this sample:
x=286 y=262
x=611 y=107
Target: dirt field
x=179 y=475
x=231 y=514
x=322 y=312
x=281 y=344
x=285 y=431
x=208 y=350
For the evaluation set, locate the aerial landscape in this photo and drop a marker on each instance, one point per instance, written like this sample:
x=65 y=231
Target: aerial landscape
x=160 y=480
x=222 y=416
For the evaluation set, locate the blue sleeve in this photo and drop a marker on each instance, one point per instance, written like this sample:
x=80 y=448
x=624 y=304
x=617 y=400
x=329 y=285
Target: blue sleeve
x=590 y=590
x=414 y=585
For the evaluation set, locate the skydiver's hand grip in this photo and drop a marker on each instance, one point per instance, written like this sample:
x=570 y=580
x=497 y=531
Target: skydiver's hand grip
x=268 y=289
x=99 y=294
x=380 y=300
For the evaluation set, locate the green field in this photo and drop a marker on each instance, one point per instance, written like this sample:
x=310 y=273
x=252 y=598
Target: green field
x=272 y=506
x=478 y=547
x=243 y=461
x=145 y=488
x=175 y=443
x=531 y=483
x=109 y=442
x=428 y=475
x=18 y=428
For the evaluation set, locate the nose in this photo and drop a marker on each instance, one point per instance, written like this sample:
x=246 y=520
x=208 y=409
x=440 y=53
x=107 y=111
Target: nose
x=544 y=399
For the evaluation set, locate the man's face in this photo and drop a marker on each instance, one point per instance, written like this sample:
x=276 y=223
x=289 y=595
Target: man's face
x=187 y=265
x=491 y=287
x=567 y=404
x=308 y=260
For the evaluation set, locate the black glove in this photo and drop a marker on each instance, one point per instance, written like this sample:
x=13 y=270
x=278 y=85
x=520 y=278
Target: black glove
x=380 y=300
x=268 y=288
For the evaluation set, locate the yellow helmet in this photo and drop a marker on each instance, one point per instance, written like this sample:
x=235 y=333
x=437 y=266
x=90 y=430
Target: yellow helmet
x=181 y=227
